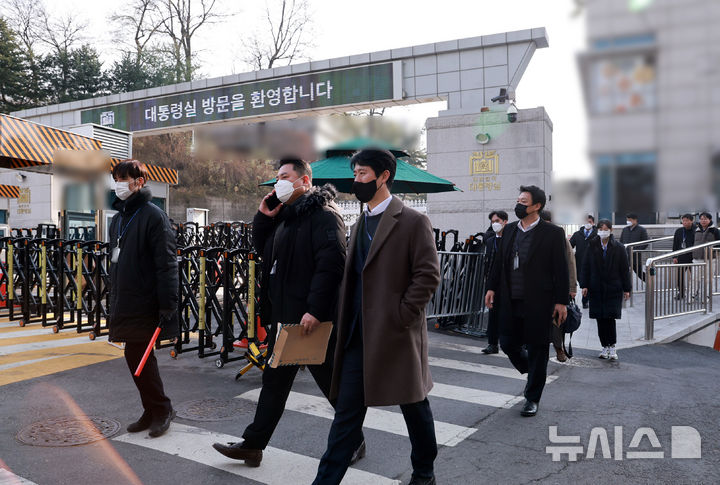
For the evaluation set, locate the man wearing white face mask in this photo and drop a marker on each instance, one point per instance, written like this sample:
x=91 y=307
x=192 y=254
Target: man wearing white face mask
x=605 y=279
x=631 y=233
x=143 y=289
x=580 y=241
x=299 y=232
x=493 y=236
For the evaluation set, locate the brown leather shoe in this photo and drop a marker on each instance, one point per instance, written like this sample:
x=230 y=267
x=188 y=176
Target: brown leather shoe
x=237 y=452
x=561 y=357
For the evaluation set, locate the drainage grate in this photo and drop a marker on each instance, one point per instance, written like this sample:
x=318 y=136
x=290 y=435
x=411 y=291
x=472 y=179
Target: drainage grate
x=68 y=431
x=213 y=409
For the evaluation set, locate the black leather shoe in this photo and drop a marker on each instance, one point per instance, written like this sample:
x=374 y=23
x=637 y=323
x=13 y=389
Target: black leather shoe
x=141 y=424
x=422 y=481
x=490 y=349
x=359 y=454
x=159 y=426
x=236 y=451
x=529 y=409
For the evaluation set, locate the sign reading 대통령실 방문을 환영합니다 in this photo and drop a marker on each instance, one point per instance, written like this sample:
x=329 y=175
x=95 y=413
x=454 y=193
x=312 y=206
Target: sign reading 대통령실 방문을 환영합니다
x=325 y=89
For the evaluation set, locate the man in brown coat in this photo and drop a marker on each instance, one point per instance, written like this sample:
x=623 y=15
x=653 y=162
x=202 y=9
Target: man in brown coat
x=381 y=357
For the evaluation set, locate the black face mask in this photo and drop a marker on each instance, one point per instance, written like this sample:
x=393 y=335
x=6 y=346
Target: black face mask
x=364 y=191
x=521 y=211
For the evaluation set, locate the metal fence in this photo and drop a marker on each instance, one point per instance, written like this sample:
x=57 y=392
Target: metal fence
x=675 y=289
x=637 y=258
x=459 y=301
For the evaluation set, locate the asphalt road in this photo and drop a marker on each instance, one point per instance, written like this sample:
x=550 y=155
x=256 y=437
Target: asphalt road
x=475 y=405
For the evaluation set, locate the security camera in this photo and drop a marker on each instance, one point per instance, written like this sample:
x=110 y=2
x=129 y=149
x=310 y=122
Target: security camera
x=512 y=113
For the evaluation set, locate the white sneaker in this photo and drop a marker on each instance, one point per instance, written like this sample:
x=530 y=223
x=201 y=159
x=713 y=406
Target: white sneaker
x=613 y=353
x=605 y=353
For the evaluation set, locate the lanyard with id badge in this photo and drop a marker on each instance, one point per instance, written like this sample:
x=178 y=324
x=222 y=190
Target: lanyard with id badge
x=115 y=254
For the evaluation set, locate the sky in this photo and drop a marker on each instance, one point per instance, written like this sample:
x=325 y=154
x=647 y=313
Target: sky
x=342 y=28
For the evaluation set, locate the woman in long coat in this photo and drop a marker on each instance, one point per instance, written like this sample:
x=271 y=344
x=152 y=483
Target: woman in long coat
x=605 y=279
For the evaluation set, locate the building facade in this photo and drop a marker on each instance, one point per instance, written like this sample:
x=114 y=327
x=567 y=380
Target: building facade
x=651 y=75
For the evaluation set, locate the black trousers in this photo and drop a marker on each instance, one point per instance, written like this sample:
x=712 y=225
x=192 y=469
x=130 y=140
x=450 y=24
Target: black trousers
x=149 y=384
x=493 y=328
x=276 y=386
x=346 y=430
x=532 y=359
x=607 y=331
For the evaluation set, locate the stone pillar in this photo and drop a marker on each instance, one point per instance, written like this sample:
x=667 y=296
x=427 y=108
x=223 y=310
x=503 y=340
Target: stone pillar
x=489 y=174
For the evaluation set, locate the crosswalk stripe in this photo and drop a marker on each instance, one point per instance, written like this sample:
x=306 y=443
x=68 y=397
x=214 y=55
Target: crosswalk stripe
x=447 y=434
x=50 y=344
x=27 y=362
x=474 y=396
x=472 y=349
x=279 y=467
x=7 y=340
x=9 y=478
x=492 y=370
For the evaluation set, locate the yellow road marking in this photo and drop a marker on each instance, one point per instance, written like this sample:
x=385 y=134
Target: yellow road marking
x=39 y=369
x=88 y=348
x=36 y=338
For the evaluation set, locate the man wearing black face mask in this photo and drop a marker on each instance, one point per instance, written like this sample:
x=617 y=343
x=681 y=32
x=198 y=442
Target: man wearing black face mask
x=529 y=283
x=381 y=357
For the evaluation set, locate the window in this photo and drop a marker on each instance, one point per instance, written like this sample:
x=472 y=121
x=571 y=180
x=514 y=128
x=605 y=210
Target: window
x=626 y=183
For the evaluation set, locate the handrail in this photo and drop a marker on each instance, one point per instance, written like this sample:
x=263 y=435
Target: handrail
x=649 y=241
x=651 y=266
x=680 y=252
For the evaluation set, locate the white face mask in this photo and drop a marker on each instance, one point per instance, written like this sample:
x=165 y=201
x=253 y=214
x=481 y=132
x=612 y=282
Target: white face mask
x=284 y=190
x=497 y=227
x=122 y=190
x=588 y=226
x=604 y=234
x=629 y=223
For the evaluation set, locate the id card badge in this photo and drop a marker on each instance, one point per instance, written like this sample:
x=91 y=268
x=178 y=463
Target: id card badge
x=516 y=261
x=115 y=254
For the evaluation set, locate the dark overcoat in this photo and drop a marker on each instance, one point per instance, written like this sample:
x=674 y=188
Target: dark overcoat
x=400 y=275
x=606 y=278
x=144 y=281
x=545 y=277
x=305 y=243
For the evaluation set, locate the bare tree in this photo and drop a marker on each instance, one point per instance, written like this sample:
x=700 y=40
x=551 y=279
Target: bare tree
x=143 y=20
x=180 y=24
x=289 y=30
x=26 y=16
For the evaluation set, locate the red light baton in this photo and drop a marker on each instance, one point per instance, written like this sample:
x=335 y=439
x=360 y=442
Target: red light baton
x=147 y=352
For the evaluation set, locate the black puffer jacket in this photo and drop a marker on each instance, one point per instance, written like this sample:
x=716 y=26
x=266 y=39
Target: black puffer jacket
x=144 y=281
x=309 y=258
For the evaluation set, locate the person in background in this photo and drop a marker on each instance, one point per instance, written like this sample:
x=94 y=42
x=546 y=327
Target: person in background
x=529 y=284
x=558 y=333
x=632 y=233
x=605 y=280
x=580 y=240
x=684 y=238
x=704 y=233
x=498 y=219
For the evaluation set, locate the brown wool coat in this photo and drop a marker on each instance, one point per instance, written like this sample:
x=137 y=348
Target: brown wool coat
x=399 y=278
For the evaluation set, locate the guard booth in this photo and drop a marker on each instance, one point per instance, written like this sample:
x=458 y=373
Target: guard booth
x=37 y=195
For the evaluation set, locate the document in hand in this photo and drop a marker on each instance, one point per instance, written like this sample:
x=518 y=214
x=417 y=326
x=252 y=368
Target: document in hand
x=294 y=348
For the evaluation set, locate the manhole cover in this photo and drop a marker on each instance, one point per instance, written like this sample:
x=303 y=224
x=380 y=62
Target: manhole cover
x=580 y=362
x=68 y=431
x=212 y=409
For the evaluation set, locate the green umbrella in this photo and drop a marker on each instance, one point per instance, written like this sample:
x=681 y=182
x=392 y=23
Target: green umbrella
x=408 y=179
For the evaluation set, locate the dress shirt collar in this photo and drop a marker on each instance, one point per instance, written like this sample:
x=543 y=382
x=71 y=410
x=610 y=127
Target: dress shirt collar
x=380 y=208
x=530 y=227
